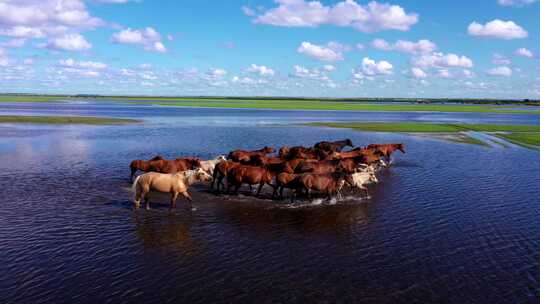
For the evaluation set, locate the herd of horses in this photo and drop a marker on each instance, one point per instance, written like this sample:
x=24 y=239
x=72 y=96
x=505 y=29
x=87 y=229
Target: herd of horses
x=325 y=168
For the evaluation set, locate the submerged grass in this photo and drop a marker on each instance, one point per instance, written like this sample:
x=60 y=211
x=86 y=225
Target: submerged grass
x=65 y=120
x=526 y=139
x=408 y=127
x=523 y=135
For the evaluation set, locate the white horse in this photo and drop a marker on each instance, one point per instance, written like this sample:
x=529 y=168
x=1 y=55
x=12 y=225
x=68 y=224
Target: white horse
x=361 y=179
x=176 y=183
x=209 y=165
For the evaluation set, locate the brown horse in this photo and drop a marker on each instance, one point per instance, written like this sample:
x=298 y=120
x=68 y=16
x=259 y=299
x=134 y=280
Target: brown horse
x=250 y=175
x=221 y=171
x=175 y=184
x=285 y=180
x=334 y=146
x=142 y=165
x=309 y=153
x=243 y=155
x=348 y=165
x=386 y=150
x=176 y=165
x=330 y=183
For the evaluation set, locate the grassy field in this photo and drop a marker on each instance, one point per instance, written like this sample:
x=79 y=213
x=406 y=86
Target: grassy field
x=30 y=98
x=65 y=120
x=523 y=135
x=344 y=106
x=356 y=104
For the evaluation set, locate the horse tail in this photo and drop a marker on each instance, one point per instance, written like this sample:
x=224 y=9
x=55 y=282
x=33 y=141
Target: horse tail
x=134 y=186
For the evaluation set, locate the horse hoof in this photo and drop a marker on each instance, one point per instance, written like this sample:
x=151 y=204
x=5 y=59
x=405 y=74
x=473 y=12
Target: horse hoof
x=193 y=209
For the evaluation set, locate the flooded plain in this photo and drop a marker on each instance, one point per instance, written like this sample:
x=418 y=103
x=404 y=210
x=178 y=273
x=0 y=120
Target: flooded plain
x=448 y=222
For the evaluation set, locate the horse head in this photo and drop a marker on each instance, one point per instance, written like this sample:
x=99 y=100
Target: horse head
x=202 y=175
x=349 y=143
x=400 y=147
x=221 y=158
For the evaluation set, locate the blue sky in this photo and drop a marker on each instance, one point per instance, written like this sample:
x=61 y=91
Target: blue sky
x=349 y=48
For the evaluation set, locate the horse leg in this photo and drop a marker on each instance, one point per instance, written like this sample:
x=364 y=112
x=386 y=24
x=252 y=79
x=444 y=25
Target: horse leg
x=367 y=192
x=213 y=180
x=174 y=196
x=189 y=199
x=229 y=186
x=308 y=194
x=146 y=199
x=293 y=195
x=281 y=192
x=137 y=200
x=259 y=190
x=250 y=188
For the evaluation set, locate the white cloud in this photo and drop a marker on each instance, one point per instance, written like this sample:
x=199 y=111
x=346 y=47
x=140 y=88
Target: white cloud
x=468 y=73
x=523 y=52
x=59 y=21
x=248 y=11
x=444 y=73
x=69 y=42
x=314 y=73
x=247 y=80
x=360 y=47
x=14 y=43
x=418 y=73
x=381 y=44
x=516 y=2
x=441 y=60
x=319 y=52
x=338 y=47
x=372 y=68
x=149 y=38
x=423 y=46
x=82 y=64
x=329 y=67
x=81 y=68
x=113 y=1
x=501 y=71
x=261 y=70
x=499 y=59
x=217 y=73
x=497 y=29
x=28 y=61
x=4 y=60
x=372 y=17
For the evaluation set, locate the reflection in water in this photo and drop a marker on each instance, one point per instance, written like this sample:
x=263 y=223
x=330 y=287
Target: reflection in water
x=305 y=219
x=170 y=230
x=447 y=222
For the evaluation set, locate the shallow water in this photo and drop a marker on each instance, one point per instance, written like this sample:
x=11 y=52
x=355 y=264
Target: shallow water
x=447 y=223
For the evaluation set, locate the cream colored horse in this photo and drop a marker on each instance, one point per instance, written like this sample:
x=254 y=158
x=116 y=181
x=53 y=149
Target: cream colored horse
x=209 y=165
x=177 y=183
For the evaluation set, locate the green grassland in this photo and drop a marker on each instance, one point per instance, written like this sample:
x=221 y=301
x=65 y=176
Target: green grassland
x=353 y=104
x=65 y=120
x=523 y=135
x=30 y=98
x=344 y=106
